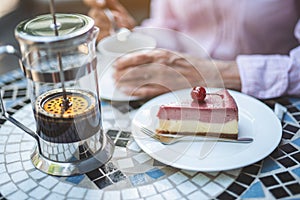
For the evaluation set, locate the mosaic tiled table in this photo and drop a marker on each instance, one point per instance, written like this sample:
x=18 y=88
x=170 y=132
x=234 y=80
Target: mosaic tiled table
x=131 y=173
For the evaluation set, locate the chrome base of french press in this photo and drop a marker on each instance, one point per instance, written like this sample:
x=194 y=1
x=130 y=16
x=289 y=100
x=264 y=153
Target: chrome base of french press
x=76 y=164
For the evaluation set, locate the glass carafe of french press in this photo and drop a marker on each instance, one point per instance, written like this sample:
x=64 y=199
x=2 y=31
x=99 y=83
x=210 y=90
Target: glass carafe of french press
x=59 y=62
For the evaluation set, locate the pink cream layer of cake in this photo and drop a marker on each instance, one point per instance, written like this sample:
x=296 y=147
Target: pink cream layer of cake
x=216 y=116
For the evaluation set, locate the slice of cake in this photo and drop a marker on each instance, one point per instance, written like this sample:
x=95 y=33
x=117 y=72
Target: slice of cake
x=214 y=115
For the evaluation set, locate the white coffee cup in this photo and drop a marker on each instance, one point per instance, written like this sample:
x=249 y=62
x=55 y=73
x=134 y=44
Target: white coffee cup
x=111 y=48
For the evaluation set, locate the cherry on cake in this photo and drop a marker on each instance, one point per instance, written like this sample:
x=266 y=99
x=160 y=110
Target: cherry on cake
x=213 y=115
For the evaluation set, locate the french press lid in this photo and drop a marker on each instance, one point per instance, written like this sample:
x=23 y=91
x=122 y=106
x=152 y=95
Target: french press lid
x=41 y=29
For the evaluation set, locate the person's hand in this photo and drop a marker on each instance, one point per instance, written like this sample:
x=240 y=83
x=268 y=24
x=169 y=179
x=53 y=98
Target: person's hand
x=148 y=74
x=120 y=16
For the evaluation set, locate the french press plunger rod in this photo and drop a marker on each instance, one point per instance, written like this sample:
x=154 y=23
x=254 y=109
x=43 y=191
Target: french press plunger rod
x=66 y=103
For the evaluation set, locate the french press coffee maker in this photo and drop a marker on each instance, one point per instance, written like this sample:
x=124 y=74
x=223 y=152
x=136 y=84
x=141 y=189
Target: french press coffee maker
x=59 y=61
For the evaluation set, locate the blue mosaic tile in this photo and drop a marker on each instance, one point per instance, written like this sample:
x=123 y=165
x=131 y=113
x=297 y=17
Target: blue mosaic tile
x=10 y=103
x=296 y=142
x=155 y=173
x=269 y=165
x=297 y=105
x=73 y=158
x=104 y=103
x=254 y=191
x=75 y=179
x=288 y=118
x=296 y=171
x=138 y=179
x=294 y=100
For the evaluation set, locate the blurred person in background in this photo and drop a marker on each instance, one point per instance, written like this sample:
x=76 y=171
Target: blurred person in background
x=253 y=46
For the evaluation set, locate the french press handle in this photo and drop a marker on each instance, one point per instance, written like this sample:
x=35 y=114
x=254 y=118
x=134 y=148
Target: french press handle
x=8 y=49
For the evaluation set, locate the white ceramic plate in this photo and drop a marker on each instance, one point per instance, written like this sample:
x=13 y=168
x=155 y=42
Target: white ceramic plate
x=108 y=89
x=256 y=120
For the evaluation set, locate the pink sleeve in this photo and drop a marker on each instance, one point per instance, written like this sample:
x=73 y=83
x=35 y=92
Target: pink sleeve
x=264 y=76
x=270 y=76
x=160 y=15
